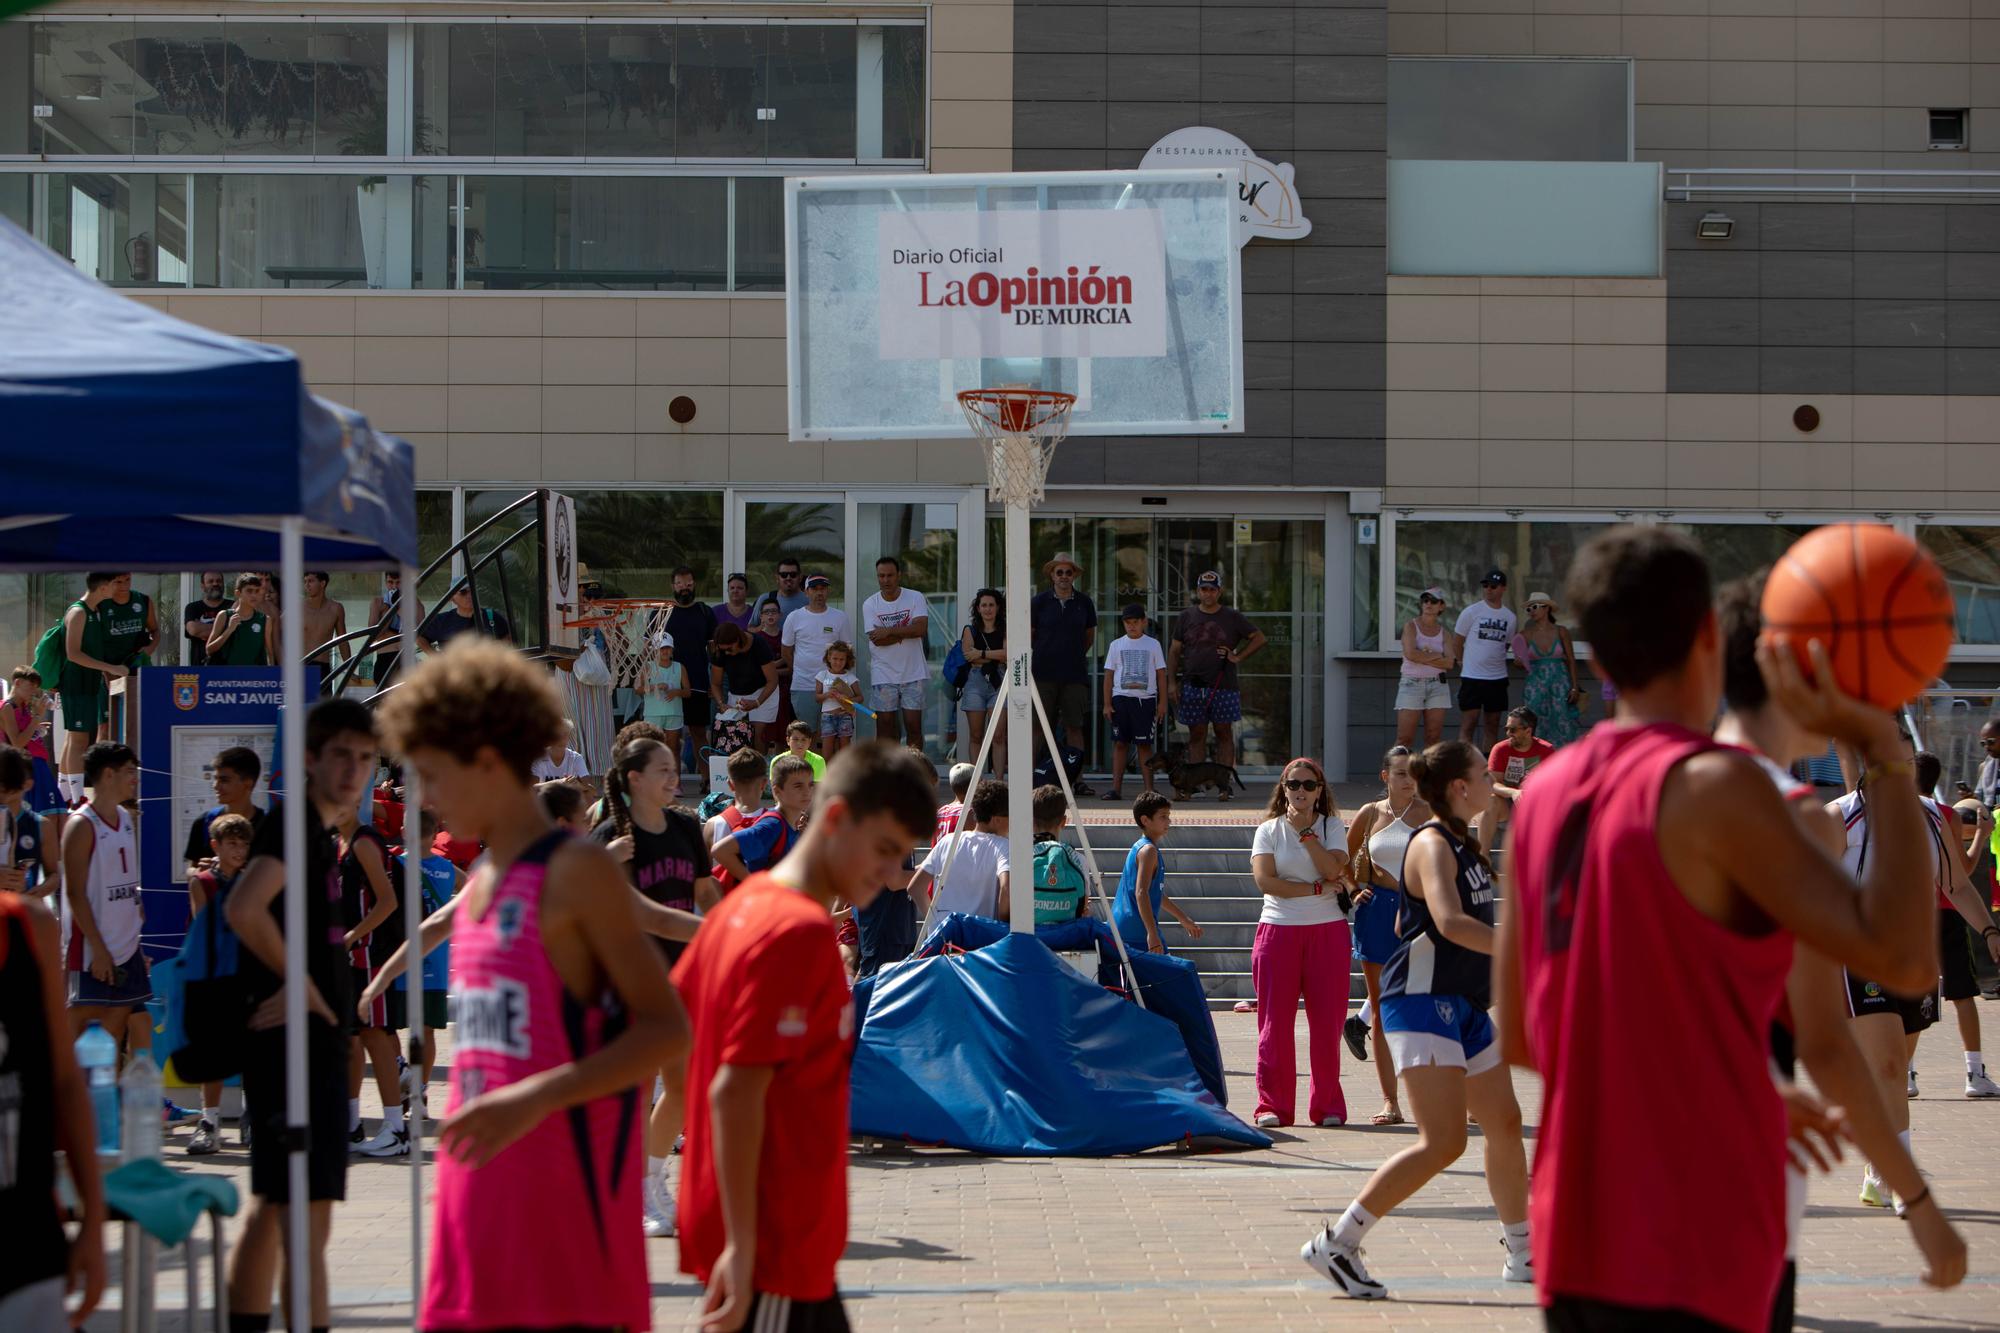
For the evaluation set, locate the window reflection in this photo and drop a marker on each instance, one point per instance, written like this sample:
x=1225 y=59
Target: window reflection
x=903 y=92
x=812 y=87
x=629 y=110
x=614 y=233
x=720 y=91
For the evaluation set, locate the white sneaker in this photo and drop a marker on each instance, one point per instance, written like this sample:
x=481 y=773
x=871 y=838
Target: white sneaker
x=1520 y=1265
x=1341 y=1265
x=1978 y=1085
x=1333 y=1122
x=1267 y=1120
x=386 y=1143
x=1910 y=1088
x=660 y=1215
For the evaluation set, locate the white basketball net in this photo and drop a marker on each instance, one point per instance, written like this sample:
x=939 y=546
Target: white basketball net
x=1021 y=429
x=628 y=636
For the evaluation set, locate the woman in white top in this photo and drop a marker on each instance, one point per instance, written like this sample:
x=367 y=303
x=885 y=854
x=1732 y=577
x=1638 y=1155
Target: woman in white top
x=1422 y=693
x=1376 y=840
x=1299 y=861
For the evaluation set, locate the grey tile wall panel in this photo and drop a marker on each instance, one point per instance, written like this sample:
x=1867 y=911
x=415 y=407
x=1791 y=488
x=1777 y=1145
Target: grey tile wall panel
x=1268 y=266
x=1346 y=366
x=1683 y=214
x=1899 y=370
x=1267 y=317
x=1713 y=322
x=1351 y=319
x=1973 y=323
x=1341 y=126
x=1267 y=366
x=1336 y=78
x=1899 y=276
x=1059 y=124
x=1338 y=462
x=1231 y=461
x=1828 y=226
x=1268 y=127
x=1972 y=370
x=1155 y=77
x=1791 y=323
x=1079 y=462
x=1711 y=272
x=1345 y=221
x=1346 y=414
x=1806 y=370
x=1057 y=30
x=1341 y=31
x=1352 y=175
x=1245 y=30
x=1901 y=226
x=1970 y=277
x=1135 y=29
x=1899 y=324
x=1130 y=128
x=1060 y=78
x=1782 y=273
x=1157 y=462
x=1341 y=270
x=1267 y=411
x=1974 y=227
x=1248 y=78
x=1713 y=369
x=1060 y=159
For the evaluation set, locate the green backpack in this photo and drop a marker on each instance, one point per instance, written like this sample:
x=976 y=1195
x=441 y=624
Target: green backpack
x=52 y=652
x=1059 y=882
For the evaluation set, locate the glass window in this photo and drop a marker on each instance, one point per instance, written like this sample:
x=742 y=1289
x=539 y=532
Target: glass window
x=181 y=79
x=19 y=129
x=89 y=222
x=760 y=234
x=1738 y=550
x=350 y=89
x=290 y=231
x=629 y=106
x=1511 y=110
x=1365 y=634
x=597 y=232
x=631 y=541
x=721 y=90
x=1454 y=556
x=85 y=73
x=538 y=90
x=269 y=94
x=812 y=88
x=812 y=532
x=455 y=74
x=903 y=92
x=1970 y=559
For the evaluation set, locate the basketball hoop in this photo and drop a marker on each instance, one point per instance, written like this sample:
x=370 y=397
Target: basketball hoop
x=628 y=625
x=1021 y=428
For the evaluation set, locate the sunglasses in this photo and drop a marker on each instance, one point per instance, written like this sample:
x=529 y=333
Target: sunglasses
x=1301 y=784
x=785 y=574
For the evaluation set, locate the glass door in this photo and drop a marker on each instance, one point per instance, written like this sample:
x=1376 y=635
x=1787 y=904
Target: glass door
x=808 y=528
x=922 y=535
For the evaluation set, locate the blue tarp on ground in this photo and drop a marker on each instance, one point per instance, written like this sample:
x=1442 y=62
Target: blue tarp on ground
x=1007 y=1050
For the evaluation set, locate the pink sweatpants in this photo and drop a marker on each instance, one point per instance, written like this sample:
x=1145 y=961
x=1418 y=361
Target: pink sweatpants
x=1285 y=963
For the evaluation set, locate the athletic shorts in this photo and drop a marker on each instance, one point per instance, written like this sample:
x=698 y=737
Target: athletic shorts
x=1374 y=925
x=1578 y=1314
x=1422 y=696
x=1481 y=696
x=1201 y=706
x=1956 y=942
x=87 y=992
x=1132 y=719
x=1867 y=997
x=907 y=697
x=437 y=1009
x=1067 y=702
x=378 y=1012
x=46 y=796
x=86 y=699
x=1444 y=1031
x=782 y=1314
x=326 y=1113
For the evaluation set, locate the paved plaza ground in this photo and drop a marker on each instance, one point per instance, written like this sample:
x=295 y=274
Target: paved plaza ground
x=943 y=1240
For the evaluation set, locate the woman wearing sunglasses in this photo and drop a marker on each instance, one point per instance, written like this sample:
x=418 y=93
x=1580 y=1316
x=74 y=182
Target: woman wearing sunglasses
x=1299 y=860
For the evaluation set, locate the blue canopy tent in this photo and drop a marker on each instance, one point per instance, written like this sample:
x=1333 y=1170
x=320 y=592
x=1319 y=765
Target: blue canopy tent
x=138 y=441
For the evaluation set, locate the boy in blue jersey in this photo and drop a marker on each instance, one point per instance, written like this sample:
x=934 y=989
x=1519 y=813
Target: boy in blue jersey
x=441 y=883
x=228 y=839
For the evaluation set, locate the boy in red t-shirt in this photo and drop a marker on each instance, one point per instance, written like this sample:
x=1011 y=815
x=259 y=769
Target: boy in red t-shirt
x=763 y=1202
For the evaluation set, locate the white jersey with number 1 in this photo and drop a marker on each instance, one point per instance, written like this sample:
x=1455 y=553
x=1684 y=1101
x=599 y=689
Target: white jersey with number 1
x=112 y=889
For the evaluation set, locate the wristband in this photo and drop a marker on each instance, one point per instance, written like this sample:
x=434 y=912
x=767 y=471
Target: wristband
x=1908 y=1204
x=1990 y=930
x=1888 y=768
x=1309 y=835
x=1319 y=887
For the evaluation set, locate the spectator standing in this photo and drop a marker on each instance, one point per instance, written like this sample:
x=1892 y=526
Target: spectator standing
x=984 y=643
x=836 y=689
x=384 y=611
x=744 y=675
x=84 y=685
x=198 y=618
x=664 y=692
x=323 y=621
x=788 y=594
x=1479 y=640
x=769 y=631
x=1135 y=696
x=950 y=813
x=1422 y=696
x=736 y=609
x=110 y=981
x=458 y=617
x=804 y=640
x=132 y=624
x=1210 y=641
x=1299 y=860
x=1544 y=650
x=246 y=634
x=897 y=621
x=233 y=774
x=1062 y=627
x=692 y=624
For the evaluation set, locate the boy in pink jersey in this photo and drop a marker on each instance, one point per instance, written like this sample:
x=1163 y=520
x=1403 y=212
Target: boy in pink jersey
x=1658 y=881
x=563 y=1008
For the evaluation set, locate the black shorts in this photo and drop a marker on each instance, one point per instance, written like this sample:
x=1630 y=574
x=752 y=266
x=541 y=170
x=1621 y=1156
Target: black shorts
x=326 y=1112
x=1574 y=1314
x=791 y=1316
x=1132 y=719
x=1867 y=997
x=1956 y=979
x=1481 y=696
x=436 y=1008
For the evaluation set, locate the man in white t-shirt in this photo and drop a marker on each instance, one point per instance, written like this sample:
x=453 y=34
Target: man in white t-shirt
x=808 y=630
x=978 y=881
x=1479 y=641
x=896 y=620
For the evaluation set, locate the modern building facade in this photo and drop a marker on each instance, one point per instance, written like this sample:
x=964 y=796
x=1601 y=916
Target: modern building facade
x=1642 y=260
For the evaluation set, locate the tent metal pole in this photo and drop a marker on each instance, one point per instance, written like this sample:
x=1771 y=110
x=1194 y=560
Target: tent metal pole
x=291 y=560
x=1020 y=722
x=414 y=851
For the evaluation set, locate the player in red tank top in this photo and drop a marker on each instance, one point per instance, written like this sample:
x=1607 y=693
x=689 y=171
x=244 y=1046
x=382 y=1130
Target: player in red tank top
x=1813 y=1022
x=537 y=1204
x=1657 y=873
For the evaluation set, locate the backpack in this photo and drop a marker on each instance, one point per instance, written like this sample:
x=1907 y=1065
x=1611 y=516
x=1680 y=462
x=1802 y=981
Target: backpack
x=956 y=669
x=206 y=1000
x=1060 y=883
x=728 y=881
x=52 y=650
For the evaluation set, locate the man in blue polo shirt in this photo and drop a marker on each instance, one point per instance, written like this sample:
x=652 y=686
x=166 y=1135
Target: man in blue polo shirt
x=1063 y=626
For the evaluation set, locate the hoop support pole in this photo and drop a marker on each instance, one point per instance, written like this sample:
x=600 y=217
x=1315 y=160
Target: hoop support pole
x=1020 y=723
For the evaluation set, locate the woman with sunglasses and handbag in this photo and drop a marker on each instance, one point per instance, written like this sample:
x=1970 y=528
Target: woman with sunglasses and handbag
x=1299 y=860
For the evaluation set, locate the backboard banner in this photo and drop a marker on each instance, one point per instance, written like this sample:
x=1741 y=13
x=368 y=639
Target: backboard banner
x=993 y=284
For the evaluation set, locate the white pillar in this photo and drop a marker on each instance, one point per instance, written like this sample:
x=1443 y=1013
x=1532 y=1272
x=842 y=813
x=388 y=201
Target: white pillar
x=1020 y=721
x=291 y=561
x=414 y=851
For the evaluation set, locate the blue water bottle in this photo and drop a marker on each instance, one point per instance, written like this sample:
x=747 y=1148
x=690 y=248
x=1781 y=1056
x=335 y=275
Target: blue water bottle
x=97 y=1052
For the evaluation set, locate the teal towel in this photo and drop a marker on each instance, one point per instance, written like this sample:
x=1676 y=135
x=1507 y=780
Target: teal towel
x=166 y=1202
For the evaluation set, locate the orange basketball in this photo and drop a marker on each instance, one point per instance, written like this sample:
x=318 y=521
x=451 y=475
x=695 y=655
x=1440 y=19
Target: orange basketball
x=1875 y=600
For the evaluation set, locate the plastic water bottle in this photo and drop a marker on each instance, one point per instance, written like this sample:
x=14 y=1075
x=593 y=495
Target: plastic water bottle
x=97 y=1052
x=140 y=1096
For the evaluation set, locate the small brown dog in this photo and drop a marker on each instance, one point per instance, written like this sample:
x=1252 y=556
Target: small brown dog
x=1190 y=779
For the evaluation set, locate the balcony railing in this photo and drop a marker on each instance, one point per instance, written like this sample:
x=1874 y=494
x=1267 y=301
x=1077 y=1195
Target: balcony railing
x=1717 y=182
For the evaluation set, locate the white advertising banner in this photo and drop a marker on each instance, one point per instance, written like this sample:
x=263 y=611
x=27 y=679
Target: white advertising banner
x=1062 y=283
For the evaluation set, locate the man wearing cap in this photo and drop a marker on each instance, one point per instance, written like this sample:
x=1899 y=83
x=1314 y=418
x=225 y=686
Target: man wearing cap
x=1062 y=625
x=692 y=624
x=808 y=630
x=1210 y=641
x=1479 y=641
x=456 y=618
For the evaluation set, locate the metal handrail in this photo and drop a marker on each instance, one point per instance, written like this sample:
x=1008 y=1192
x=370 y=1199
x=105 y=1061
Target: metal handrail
x=1681 y=182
